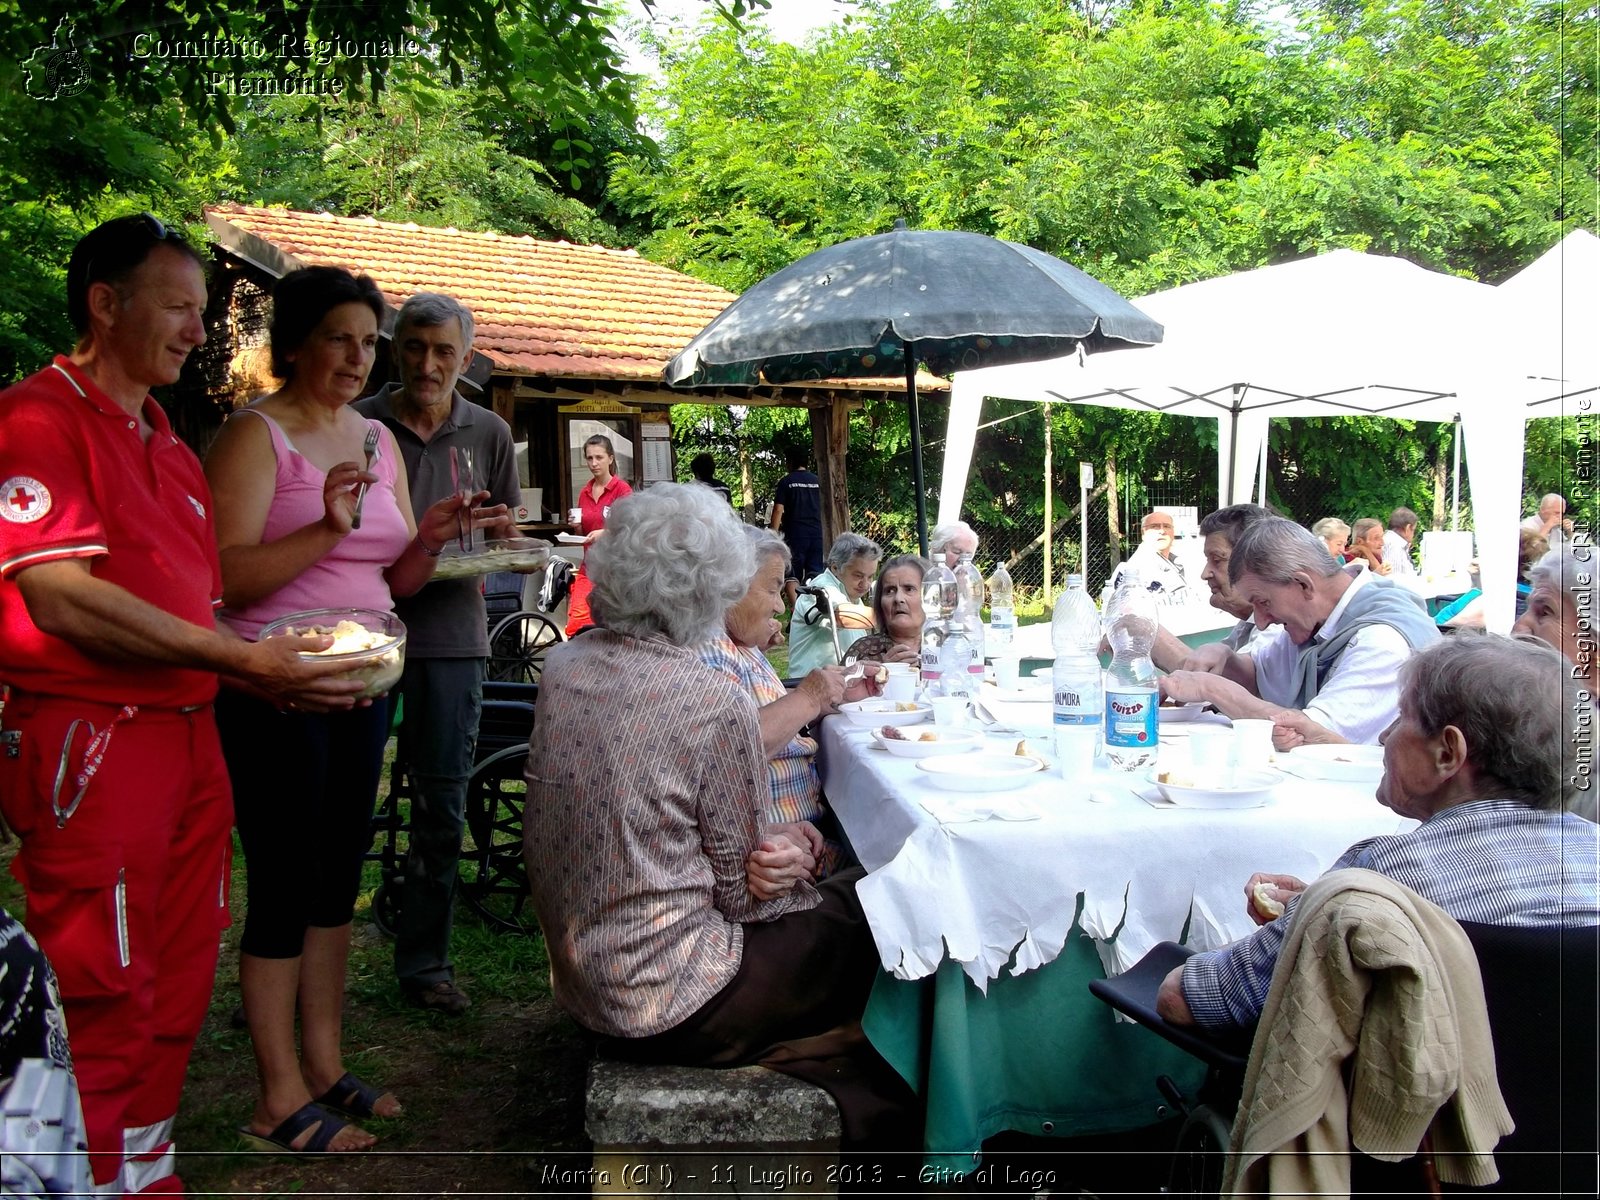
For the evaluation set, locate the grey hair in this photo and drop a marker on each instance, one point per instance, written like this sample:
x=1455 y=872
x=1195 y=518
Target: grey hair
x=428 y=309
x=1330 y=527
x=671 y=564
x=848 y=546
x=1231 y=522
x=1498 y=692
x=1573 y=568
x=1401 y=518
x=1275 y=549
x=943 y=535
x=766 y=545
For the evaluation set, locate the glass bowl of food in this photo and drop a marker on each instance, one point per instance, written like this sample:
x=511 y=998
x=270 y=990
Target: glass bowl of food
x=371 y=643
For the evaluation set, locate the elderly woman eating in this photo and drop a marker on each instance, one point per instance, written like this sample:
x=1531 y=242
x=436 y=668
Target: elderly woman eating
x=784 y=714
x=852 y=562
x=681 y=926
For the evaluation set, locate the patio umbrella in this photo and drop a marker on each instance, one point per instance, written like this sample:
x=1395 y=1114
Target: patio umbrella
x=877 y=306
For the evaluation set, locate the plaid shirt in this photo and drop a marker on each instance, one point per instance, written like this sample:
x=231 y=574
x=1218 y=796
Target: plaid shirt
x=1495 y=862
x=796 y=791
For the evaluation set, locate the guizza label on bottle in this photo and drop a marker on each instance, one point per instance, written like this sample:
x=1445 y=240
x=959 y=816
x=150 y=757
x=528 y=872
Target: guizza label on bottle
x=1130 y=718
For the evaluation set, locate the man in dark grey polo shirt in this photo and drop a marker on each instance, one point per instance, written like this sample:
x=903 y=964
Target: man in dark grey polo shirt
x=447 y=630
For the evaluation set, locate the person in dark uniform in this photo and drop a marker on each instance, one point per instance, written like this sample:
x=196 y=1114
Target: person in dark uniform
x=797 y=515
x=703 y=467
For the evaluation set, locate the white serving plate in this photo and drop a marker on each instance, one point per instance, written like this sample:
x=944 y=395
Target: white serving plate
x=1350 y=764
x=1250 y=789
x=869 y=714
x=950 y=741
x=981 y=772
x=1178 y=714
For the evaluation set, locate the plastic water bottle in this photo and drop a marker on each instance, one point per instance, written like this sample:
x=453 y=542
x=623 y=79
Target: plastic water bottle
x=969 y=605
x=1002 y=611
x=1075 y=678
x=955 y=660
x=938 y=605
x=1132 y=728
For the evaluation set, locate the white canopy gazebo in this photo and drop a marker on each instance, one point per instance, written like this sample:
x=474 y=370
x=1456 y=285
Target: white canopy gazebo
x=1340 y=334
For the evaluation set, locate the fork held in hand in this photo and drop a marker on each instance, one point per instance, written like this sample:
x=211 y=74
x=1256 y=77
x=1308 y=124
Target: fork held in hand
x=368 y=448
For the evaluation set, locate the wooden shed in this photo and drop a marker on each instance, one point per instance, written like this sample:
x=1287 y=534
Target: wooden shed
x=570 y=340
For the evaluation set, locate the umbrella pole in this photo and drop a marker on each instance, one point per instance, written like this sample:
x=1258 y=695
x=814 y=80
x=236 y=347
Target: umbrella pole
x=915 y=414
x=1455 y=477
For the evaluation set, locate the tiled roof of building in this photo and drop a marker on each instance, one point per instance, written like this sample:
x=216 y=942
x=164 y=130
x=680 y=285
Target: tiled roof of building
x=542 y=308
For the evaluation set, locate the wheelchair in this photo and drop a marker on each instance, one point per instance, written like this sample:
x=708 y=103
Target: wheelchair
x=491 y=880
x=1539 y=989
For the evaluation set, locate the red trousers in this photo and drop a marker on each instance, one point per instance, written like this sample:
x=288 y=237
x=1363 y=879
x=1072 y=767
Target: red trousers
x=127 y=896
x=578 y=616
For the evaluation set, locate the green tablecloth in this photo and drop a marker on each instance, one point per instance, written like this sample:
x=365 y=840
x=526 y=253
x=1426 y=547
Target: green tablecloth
x=1038 y=1055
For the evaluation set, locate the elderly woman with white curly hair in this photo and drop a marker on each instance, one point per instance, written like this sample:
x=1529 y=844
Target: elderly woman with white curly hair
x=680 y=927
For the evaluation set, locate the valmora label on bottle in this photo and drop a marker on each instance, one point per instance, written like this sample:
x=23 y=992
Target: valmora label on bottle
x=1130 y=718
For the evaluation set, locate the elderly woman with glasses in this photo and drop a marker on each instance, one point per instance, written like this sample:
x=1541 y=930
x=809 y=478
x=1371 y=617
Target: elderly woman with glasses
x=682 y=927
x=852 y=562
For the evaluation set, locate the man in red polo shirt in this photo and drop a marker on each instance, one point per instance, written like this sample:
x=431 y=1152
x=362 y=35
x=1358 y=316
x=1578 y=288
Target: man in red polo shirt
x=110 y=769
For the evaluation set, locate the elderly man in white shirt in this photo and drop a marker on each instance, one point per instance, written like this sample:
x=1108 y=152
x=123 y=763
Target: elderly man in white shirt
x=1330 y=673
x=1397 y=542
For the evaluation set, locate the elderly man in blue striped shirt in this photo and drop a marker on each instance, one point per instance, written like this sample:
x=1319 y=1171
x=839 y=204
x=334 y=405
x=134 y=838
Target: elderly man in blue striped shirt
x=1477 y=755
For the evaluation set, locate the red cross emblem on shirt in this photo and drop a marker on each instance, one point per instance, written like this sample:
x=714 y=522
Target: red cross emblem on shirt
x=23 y=500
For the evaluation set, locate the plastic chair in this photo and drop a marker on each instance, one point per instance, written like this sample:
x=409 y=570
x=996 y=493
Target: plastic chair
x=1540 y=991
x=1539 y=986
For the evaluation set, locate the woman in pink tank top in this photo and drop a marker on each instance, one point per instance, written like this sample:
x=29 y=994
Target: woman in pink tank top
x=284 y=474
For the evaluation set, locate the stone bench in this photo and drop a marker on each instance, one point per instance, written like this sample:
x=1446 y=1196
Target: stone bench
x=678 y=1131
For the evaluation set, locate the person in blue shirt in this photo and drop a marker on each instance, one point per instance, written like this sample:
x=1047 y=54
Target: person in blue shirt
x=797 y=515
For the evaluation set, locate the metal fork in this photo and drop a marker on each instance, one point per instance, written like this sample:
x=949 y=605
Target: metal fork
x=369 y=448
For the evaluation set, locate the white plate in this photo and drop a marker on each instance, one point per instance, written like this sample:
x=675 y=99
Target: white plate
x=948 y=741
x=1351 y=764
x=1178 y=714
x=1250 y=789
x=981 y=772
x=869 y=714
x=571 y=539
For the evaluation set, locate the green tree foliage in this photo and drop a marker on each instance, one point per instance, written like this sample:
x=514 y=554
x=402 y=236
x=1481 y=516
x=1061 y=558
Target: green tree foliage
x=1151 y=144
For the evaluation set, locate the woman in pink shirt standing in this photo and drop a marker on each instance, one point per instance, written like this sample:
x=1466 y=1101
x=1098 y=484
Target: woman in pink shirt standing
x=284 y=475
x=594 y=503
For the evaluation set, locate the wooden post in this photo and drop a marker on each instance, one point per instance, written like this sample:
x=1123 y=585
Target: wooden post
x=830 y=444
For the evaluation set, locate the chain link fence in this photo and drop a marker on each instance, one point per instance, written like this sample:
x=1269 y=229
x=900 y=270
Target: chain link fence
x=1309 y=476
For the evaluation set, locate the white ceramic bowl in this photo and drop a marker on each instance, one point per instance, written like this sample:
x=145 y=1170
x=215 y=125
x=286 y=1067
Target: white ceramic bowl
x=378 y=667
x=1177 y=714
x=981 y=772
x=1349 y=764
x=945 y=741
x=1246 y=789
x=874 y=714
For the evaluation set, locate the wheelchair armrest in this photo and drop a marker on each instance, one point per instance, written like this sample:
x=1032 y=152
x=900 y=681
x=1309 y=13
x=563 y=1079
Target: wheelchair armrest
x=1133 y=993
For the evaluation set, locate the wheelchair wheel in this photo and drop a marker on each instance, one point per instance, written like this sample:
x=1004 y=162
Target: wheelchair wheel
x=492 y=880
x=1198 y=1158
x=518 y=644
x=386 y=907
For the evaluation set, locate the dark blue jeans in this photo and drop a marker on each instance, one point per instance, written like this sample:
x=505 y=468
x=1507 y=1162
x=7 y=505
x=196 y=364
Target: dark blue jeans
x=439 y=730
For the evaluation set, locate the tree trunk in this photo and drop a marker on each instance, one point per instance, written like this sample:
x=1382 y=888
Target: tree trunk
x=747 y=487
x=1113 y=521
x=1441 y=484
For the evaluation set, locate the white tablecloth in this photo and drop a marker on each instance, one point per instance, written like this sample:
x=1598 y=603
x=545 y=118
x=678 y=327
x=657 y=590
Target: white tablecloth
x=979 y=891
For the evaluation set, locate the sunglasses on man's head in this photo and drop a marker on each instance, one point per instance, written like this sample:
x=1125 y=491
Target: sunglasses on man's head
x=148 y=222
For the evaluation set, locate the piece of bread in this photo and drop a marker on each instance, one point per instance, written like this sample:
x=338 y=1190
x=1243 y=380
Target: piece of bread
x=1264 y=902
